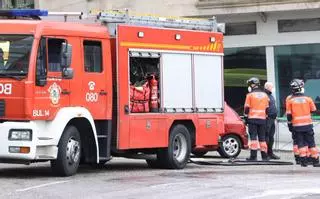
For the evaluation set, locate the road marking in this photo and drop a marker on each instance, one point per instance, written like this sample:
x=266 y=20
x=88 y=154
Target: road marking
x=288 y=192
x=42 y=185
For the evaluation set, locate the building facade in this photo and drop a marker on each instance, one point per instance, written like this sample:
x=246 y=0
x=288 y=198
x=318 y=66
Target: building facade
x=9 y=4
x=275 y=40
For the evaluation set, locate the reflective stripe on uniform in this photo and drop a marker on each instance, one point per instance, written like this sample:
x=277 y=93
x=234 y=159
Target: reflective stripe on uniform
x=314 y=152
x=295 y=150
x=303 y=151
x=257 y=111
x=254 y=145
x=303 y=117
x=302 y=124
x=256 y=117
x=263 y=146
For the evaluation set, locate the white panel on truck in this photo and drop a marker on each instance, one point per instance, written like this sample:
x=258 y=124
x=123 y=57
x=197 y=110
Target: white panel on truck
x=176 y=81
x=208 y=82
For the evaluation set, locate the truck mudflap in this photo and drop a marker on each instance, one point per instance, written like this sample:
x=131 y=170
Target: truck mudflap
x=239 y=162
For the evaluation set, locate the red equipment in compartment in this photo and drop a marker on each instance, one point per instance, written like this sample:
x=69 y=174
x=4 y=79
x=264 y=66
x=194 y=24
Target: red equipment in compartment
x=154 y=94
x=139 y=98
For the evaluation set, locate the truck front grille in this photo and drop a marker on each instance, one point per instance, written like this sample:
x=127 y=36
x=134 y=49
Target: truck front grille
x=2 y=107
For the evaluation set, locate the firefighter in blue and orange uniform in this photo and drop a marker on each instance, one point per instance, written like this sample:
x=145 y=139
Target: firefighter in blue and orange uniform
x=298 y=109
x=255 y=112
x=294 y=139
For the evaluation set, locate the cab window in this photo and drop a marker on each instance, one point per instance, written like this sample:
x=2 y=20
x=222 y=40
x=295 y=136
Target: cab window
x=92 y=56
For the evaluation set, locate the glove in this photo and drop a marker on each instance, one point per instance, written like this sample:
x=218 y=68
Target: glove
x=290 y=127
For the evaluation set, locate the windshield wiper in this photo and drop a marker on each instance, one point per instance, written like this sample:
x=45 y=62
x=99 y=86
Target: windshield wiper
x=16 y=77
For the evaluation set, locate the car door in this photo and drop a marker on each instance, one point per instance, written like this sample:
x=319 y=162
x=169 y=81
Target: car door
x=94 y=81
x=55 y=94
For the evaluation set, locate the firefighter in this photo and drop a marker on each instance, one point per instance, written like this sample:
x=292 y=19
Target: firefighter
x=298 y=110
x=272 y=115
x=255 y=113
x=294 y=139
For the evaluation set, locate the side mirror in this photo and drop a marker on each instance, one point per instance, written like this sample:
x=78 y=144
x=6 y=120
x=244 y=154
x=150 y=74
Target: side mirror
x=67 y=73
x=65 y=55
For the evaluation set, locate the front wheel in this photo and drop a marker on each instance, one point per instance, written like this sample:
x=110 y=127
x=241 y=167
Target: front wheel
x=177 y=154
x=69 y=153
x=230 y=147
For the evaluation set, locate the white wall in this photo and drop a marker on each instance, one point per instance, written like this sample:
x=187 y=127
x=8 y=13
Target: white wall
x=267 y=32
x=158 y=7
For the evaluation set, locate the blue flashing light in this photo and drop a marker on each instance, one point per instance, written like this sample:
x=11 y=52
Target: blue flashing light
x=23 y=13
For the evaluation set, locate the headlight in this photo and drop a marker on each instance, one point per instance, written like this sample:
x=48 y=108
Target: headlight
x=20 y=134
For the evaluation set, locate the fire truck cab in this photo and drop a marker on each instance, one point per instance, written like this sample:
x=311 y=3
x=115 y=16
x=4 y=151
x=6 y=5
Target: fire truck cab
x=74 y=93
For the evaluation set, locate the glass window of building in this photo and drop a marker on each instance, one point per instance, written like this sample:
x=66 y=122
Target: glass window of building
x=239 y=65
x=298 y=25
x=297 y=61
x=241 y=28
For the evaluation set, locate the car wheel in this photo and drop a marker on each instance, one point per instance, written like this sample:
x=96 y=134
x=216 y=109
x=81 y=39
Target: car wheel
x=199 y=154
x=177 y=154
x=230 y=147
x=69 y=153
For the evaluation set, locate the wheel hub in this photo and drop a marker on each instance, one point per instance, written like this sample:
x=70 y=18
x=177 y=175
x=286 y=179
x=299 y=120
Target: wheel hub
x=231 y=146
x=179 y=147
x=73 y=151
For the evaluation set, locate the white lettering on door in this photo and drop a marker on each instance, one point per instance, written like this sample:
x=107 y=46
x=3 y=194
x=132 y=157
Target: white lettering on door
x=92 y=97
x=6 y=89
x=40 y=113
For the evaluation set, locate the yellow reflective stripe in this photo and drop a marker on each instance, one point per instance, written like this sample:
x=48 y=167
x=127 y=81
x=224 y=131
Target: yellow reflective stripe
x=138 y=44
x=167 y=46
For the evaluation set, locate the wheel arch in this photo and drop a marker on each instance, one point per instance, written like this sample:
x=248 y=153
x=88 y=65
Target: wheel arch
x=82 y=119
x=189 y=124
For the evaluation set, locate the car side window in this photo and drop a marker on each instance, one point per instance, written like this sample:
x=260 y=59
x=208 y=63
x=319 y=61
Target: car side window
x=92 y=56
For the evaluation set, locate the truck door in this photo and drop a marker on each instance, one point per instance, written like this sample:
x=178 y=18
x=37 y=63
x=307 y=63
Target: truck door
x=94 y=81
x=49 y=98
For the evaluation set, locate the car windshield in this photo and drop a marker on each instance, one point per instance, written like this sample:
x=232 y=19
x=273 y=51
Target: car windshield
x=14 y=54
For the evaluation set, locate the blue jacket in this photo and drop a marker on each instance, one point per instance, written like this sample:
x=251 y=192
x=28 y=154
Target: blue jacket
x=272 y=111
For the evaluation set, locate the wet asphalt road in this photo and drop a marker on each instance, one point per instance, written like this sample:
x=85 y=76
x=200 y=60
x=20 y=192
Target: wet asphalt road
x=123 y=178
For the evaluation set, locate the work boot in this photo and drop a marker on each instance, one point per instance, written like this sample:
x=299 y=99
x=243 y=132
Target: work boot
x=316 y=162
x=304 y=161
x=253 y=156
x=297 y=159
x=264 y=156
x=274 y=157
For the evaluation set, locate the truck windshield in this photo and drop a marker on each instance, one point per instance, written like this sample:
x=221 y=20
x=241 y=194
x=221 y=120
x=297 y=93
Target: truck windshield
x=14 y=54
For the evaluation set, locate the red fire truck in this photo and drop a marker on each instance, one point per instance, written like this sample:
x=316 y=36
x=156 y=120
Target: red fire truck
x=74 y=93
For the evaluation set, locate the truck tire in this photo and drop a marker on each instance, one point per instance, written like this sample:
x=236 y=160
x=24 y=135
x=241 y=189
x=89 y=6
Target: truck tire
x=177 y=154
x=199 y=154
x=69 y=153
x=230 y=147
x=155 y=164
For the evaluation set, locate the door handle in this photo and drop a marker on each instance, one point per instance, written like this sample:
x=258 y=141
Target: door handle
x=102 y=92
x=65 y=92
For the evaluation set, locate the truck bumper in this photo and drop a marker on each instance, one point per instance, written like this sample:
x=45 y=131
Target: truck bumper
x=38 y=148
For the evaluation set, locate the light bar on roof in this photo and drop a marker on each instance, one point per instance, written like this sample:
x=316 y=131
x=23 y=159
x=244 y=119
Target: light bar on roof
x=23 y=13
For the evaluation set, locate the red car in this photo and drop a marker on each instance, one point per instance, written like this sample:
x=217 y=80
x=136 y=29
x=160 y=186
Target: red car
x=232 y=140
